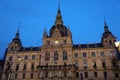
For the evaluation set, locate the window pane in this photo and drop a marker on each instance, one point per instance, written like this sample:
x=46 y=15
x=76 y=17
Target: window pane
x=77 y=74
x=46 y=74
x=56 y=55
x=104 y=64
x=33 y=57
x=105 y=74
x=31 y=76
x=76 y=55
x=64 y=55
x=85 y=65
x=10 y=58
x=16 y=75
x=65 y=74
x=95 y=74
x=102 y=53
x=86 y=74
x=32 y=66
x=25 y=66
x=26 y=57
x=84 y=54
x=17 y=67
x=116 y=75
x=23 y=76
x=93 y=54
x=47 y=56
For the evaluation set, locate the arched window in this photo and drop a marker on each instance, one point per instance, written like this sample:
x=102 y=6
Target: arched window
x=64 y=55
x=25 y=66
x=31 y=76
x=55 y=55
x=47 y=56
x=32 y=66
x=16 y=75
x=46 y=74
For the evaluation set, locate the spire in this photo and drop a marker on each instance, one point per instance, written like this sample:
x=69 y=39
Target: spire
x=45 y=33
x=105 y=26
x=58 y=16
x=59 y=6
x=68 y=31
x=17 y=34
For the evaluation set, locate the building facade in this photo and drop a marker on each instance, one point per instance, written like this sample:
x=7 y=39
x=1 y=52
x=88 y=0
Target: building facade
x=1 y=67
x=59 y=59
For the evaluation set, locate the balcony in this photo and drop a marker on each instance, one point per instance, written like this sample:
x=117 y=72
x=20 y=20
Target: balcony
x=56 y=67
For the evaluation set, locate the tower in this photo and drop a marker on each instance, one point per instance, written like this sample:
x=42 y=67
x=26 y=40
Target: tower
x=108 y=38
x=16 y=44
x=59 y=34
x=57 y=43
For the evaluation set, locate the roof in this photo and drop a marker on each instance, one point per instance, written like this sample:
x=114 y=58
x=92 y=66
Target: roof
x=95 y=45
x=30 y=49
x=1 y=62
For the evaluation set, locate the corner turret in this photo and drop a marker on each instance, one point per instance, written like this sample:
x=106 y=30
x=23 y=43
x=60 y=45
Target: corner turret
x=108 y=39
x=16 y=44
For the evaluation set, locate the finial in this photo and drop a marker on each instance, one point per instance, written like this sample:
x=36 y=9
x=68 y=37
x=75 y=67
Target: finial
x=45 y=33
x=17 y=34
x=105 y=21
x=18 y=27
x=59 y=5
x=105 y=26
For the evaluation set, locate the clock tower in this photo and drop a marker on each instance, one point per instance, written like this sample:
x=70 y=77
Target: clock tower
x=59 y=40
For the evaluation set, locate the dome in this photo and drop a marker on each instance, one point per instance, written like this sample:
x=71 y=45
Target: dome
x=61 y=28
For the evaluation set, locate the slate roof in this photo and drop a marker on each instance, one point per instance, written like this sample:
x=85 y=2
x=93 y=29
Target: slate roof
x=95 y=45
x=30 y=49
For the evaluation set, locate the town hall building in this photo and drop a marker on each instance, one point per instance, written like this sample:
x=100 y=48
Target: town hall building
x=59 y=59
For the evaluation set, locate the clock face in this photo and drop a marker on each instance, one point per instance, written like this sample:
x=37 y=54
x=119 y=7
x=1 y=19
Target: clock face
x=56 y=42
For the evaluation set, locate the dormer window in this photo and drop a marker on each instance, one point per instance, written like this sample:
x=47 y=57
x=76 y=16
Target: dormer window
x=64 y=41
x=64 y=55
x=110 y=42
x=48 y=42
x=47 y=56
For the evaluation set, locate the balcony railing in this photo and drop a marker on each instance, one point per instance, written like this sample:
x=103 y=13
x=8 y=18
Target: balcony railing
x=55 y=67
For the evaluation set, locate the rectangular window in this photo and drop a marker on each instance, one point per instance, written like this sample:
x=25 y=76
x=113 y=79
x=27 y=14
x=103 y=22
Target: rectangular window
x=113 y=53
x=76 y=55
x=48 y=42
x=95 y=74
x=102 y=53
x=105 y=74
x=116 y=75
x=18 y=58
x=26 y=57
x=86 y=74
x=84 y=54
x=16 y=75
x=64 y=55
x=31 y=76
x=65 y=74
x=32 y=66
x=25 y=67
x=17 y=67
x=85 y=64
x=10 y=58
x=93 y=54
x=39 y=56
x=94 y=65
x=23 y=76
x=46 y=74
x=55 y=55
x=77 y=75
x=33 y=57
x=104 y=64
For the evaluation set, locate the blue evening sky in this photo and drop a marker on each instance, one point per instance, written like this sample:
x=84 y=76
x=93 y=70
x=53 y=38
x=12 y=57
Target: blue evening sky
x=84 y=17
